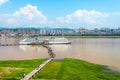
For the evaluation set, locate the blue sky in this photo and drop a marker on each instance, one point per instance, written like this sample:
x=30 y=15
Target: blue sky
x=60 y=13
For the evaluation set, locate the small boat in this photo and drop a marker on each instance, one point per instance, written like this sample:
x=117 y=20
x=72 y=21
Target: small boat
x=59 y=41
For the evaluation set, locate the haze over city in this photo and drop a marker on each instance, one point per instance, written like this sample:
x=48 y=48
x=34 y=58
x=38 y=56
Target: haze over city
x=60 y=13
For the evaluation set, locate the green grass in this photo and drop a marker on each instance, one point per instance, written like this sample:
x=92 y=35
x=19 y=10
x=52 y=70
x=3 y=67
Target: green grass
x=73 y=69
x=67 y=69
x=15 y=69
x=82 y=70
x=50 y=71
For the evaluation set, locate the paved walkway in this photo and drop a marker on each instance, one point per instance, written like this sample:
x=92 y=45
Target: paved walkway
x=36 y=70
x=31 y=74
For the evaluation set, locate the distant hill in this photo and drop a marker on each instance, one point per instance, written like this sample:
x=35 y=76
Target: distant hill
x=48 y=28
x=44 y=28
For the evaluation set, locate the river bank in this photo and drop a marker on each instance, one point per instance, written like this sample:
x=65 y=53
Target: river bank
x=87 y=36
x=63 y=69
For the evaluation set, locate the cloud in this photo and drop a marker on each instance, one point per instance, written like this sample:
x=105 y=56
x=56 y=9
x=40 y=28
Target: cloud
x=3 y=1
x=30 y=16
x=26 y=16
x=115 y=14
x=79 y=17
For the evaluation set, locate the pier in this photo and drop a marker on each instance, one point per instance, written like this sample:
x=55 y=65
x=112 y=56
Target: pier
x=37 y=69
x=9 y=44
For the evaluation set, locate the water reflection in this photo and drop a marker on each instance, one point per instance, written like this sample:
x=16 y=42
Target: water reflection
x=24 y=47
x=60 y=47
x=59 y=50
x=22 y=52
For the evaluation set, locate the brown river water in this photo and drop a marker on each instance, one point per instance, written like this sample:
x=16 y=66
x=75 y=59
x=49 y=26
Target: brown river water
x=104 y=51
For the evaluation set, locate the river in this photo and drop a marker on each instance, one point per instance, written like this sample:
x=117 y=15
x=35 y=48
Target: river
x=104 y=51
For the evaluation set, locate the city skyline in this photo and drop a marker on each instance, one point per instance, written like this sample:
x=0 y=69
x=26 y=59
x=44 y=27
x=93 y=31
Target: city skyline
x=60 y=13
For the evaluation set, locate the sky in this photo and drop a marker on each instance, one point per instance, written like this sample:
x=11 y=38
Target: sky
x=60 y=13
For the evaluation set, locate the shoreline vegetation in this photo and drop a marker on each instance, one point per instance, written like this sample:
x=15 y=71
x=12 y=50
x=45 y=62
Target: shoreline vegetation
x=66 y=69
x=88 y=36
x=92 y=36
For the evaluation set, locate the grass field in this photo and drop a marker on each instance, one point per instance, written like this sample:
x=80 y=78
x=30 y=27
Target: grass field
x=73 y=69
x=67 y=69
x=15 y=69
